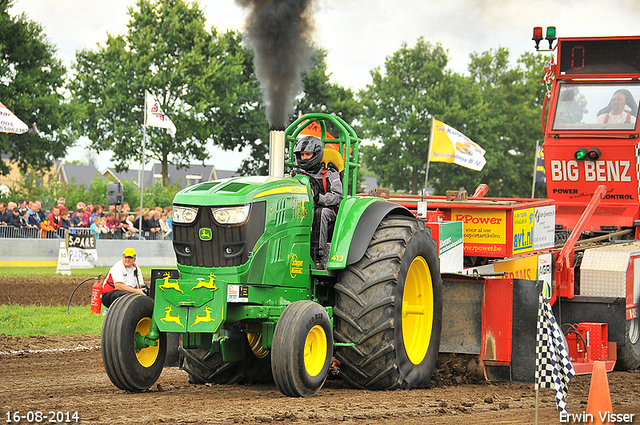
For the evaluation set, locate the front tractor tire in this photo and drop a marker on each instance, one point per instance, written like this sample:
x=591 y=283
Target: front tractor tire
x=301 y=350
x=130 y=364
x=389 y=305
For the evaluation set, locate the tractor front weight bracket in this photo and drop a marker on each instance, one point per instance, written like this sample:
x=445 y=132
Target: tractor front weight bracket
x=231 y=346
x=268 y=328
x=148 y=340
x=154 y=332
x=143 y=341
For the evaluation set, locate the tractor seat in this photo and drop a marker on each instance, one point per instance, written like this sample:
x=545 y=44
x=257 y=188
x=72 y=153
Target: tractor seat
x=332 y=157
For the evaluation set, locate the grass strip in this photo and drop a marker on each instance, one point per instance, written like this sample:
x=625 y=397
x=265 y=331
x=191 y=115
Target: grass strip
x=51 y=271
x=28 y=320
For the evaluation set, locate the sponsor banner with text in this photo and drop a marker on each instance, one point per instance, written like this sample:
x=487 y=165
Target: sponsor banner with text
x=533 y=267
x=485 y=232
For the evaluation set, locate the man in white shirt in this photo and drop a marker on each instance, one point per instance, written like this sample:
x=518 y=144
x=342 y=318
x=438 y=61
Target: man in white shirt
x=124 y=277
x=615 y=112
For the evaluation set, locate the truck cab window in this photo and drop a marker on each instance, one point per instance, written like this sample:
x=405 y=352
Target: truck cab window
x=606 y=107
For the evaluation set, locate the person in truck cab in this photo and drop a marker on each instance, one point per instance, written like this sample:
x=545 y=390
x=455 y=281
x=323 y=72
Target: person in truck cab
x=622 y=109
x=326 y=187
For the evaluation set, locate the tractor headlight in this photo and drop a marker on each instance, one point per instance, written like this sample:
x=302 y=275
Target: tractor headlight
x=184 y=214
x=231 y=215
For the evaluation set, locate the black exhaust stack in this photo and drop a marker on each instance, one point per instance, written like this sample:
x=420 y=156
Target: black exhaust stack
x=279 y=32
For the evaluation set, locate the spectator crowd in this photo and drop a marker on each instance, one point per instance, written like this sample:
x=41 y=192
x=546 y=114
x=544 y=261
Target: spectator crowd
x=27 y=219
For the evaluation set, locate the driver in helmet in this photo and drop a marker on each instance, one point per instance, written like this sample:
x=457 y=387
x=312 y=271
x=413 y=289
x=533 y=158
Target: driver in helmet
x=326 y=186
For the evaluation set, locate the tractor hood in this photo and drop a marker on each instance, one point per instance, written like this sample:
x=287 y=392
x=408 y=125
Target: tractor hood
x=223 y=223
x=238 y=190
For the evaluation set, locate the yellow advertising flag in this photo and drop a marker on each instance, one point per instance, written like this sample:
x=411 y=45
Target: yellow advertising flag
x=449 y=145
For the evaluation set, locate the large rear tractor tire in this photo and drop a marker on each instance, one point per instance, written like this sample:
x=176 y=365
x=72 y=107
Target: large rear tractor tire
x=206 y=367
x=389 y=305
x=302 y=349
x=130 y=364
x=629 y=353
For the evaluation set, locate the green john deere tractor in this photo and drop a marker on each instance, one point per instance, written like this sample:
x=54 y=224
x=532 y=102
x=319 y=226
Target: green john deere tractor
x=251 y=305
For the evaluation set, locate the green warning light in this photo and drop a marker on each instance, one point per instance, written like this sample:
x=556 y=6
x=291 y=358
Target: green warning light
x=580 y=154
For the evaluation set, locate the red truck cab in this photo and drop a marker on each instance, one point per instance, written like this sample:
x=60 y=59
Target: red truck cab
x=591 y=132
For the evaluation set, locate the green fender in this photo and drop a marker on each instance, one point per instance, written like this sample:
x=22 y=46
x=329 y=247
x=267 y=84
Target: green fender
x=357 y=220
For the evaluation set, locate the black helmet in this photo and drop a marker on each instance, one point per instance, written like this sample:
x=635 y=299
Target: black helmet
x=309 y=144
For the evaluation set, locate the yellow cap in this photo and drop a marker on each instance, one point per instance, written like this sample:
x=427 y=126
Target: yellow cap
x=129 y=252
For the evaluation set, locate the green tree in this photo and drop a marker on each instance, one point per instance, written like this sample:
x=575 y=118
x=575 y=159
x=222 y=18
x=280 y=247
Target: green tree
x=399 y=105
x=196 y=75
x=510 y=122
x=35 y=184
x=159 y=196
x=31 y=79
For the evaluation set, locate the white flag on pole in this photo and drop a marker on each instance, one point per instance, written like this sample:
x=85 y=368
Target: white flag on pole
x=9 y=123
x=449 y=145
x=156 y=117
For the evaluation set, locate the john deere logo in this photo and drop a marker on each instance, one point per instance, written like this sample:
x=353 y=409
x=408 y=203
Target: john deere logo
x=205 y=234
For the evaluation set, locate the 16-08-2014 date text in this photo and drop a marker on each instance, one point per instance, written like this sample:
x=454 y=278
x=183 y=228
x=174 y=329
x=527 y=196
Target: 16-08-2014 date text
x=37 y=416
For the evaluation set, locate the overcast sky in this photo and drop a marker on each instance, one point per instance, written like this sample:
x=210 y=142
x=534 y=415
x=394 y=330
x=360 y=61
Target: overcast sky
x=360 y=34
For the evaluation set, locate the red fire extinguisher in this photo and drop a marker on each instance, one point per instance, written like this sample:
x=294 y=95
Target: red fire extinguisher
x=96 y=297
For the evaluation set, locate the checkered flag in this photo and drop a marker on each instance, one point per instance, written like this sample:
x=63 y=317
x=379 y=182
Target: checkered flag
x=553 y=367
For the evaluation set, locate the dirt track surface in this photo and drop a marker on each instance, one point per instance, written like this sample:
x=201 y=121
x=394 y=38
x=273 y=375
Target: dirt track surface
x=45 y=290
x=65 y=374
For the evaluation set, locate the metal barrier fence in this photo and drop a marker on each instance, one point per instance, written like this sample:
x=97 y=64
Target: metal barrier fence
x=34 y=233
x=30 y=232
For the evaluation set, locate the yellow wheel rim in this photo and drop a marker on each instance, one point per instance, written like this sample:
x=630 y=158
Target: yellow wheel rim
x=315 y=350
x=255 y=342
x=148 y=355
x=417 y=310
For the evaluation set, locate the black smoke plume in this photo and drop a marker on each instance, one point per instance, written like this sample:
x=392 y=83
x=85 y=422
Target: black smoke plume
x=278 y=31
